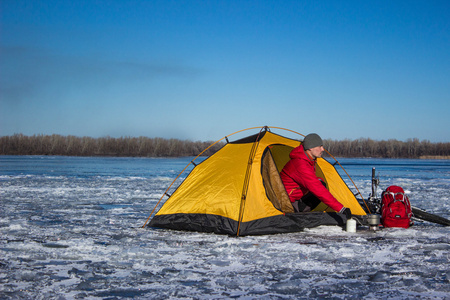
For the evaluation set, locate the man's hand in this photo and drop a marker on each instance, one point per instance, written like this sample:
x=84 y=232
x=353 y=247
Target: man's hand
x=347 y=212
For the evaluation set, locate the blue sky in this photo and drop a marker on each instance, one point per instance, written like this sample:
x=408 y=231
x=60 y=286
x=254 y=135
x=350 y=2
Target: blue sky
x=201 y=70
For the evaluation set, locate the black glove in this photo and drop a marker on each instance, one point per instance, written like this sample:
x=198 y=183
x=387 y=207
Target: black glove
x=347 y=212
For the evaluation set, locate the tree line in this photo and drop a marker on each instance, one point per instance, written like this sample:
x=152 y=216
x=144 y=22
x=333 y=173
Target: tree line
x=365 y=147
x=20 y=144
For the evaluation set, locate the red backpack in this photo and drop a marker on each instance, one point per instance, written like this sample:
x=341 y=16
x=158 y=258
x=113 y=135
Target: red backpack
x=395 y=208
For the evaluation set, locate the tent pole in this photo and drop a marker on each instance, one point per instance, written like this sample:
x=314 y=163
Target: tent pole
x=247 y=180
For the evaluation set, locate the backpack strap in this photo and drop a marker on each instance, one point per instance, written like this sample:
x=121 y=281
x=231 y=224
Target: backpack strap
x=394 y=195
x=402 y=200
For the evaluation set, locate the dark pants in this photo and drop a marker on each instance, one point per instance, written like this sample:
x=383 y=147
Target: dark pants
x=307 y=203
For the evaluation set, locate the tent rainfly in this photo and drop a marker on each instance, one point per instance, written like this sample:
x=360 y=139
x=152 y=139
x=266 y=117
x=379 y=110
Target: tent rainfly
x=238 y=191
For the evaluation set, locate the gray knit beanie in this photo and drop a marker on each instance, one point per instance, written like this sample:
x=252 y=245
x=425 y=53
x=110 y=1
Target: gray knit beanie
x=312 y=140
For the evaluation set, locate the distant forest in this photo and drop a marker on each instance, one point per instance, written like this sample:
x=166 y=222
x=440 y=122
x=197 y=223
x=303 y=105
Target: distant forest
x=20 y=144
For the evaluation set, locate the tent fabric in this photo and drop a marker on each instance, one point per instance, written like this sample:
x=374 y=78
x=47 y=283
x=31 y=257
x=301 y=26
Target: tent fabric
x=294 y=222
x=237 y=191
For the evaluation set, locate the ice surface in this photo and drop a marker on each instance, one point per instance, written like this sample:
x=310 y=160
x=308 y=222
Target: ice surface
x=71 y=228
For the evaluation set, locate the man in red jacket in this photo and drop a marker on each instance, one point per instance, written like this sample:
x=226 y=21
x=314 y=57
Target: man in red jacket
x=304 y=188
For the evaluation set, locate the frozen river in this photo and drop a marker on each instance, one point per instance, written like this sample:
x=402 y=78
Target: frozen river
x=70 y=228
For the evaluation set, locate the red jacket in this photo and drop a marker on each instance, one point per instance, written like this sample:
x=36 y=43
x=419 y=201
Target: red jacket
x=299 y=177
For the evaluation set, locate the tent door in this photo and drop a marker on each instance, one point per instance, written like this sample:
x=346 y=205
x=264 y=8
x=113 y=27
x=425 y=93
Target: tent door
x=275 y=190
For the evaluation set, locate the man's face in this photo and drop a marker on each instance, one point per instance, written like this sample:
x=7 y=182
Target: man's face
x=316 y=152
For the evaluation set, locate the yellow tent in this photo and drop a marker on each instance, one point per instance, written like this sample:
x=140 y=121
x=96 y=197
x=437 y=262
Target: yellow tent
x=238 y=191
